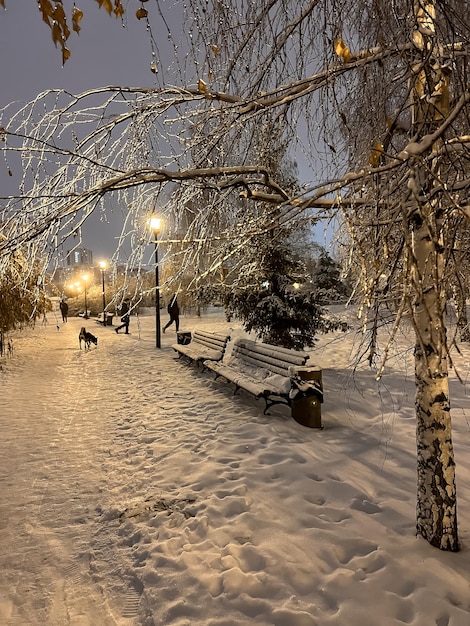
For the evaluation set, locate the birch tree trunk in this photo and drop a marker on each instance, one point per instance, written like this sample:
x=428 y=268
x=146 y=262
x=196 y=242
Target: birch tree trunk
x=436 y=512
x=436 y=518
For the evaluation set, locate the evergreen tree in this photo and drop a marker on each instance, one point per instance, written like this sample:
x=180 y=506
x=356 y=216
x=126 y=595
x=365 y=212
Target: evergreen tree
x=274 y=298
x=326 y=280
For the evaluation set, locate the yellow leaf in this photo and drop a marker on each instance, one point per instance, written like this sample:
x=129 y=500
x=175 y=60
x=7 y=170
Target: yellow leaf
x=59 y=14
x=106 y=4
x=66 y=31
x=118 y=9
x=77 y=15
x=342 y=50
x=375 y=154
x=141 y=13
x=418 y=39
x=215 y=49
x=47 y=11
x=56 y=33
x=65 y=54
x=202 y=86
x=76 y=18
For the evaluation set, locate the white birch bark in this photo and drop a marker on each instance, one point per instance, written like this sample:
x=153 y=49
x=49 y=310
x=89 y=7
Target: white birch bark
x=436 y=509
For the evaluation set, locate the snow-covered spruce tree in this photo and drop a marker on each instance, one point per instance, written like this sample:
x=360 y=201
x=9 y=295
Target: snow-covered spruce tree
x=274 y=298
x=327 y=281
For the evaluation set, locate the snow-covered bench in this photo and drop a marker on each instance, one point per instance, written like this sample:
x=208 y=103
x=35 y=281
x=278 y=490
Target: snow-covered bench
x=204 y=347
x=263 y=370
x=101 y=320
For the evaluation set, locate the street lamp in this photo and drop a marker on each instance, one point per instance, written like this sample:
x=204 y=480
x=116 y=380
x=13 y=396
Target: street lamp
x=155 y=224
x=102 y=268
x=85 y=278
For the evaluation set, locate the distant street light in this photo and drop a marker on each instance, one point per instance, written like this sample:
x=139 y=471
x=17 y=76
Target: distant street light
x=155 y=225
x=102 y=268
x=85 y=278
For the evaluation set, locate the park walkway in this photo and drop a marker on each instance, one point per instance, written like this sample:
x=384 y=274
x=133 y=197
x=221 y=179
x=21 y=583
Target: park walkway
x=66 y=441
x=138 y=491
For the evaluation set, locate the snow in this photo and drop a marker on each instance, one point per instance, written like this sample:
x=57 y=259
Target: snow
x=136 y=490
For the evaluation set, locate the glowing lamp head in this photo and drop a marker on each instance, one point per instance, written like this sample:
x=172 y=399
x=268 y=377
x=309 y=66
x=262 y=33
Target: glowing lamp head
x=155 y=223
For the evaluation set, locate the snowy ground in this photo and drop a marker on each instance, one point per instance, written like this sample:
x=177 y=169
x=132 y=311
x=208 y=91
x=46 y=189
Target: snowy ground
x=138 y=491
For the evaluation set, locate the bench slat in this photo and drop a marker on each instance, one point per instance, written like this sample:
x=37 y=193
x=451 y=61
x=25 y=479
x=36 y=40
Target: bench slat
x=210 y=336
x=295 y=357
x=194 y=354
x=204 y=346
x=277 y=367
x=214 y=341
x=263 y=360
x=273 y=358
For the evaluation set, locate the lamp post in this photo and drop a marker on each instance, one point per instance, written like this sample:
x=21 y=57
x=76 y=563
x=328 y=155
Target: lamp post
x=102 y=268
x=85 y=278
x=155 y=225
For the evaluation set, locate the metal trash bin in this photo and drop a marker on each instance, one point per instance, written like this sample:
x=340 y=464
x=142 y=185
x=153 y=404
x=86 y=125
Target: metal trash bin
x=306 y=403
x=183 y=337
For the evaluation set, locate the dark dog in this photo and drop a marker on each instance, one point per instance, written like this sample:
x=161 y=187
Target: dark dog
x=87 y=338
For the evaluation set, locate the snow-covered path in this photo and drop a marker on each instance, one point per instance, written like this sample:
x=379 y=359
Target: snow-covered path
x=78 y=435
x=71 y=434
x=54 y=429
x=137 y=491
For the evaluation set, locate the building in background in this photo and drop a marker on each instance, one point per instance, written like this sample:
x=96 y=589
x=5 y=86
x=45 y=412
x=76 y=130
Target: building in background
x=79 y=258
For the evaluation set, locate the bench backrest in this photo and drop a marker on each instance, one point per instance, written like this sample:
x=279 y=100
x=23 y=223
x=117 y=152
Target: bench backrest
x=271 y=358
x=214 y=341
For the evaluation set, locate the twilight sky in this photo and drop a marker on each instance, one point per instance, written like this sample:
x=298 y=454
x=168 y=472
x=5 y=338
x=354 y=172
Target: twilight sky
x=104 y=53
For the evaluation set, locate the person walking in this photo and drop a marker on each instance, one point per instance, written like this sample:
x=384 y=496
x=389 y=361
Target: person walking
x=174 y=313
x=64 y=309
x=125 y=316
